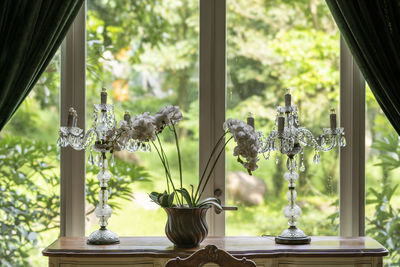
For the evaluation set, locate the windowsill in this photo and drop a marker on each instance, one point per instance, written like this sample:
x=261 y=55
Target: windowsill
x=251 y=247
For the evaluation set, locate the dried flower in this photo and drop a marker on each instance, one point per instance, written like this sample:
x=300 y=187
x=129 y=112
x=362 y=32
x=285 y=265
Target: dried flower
x=247 y=142
x=124 y=125
x=143 y=128
x=166 y=116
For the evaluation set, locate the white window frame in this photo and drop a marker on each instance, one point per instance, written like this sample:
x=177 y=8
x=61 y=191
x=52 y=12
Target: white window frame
x=352 y=157
x=73 y=94
x=212 y=98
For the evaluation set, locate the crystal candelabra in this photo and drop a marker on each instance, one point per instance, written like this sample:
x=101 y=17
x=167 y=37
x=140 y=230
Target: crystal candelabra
x=289 y=138
x=104 y=137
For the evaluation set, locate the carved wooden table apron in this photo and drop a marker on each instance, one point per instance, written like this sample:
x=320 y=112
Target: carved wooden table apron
x=156 y=251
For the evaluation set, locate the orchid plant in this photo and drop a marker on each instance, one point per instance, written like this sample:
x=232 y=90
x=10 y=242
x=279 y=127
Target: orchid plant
x=147 y=129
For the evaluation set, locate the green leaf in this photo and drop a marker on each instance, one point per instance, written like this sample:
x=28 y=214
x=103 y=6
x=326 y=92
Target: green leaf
x=191 y=186
x=154 y=196
x=211 y=201
x=164 y=199
x=171 y=199
x=186 y=195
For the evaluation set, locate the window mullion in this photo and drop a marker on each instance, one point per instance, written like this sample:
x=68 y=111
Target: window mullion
x=73 y=69
x=352 y=157
x=212 y=98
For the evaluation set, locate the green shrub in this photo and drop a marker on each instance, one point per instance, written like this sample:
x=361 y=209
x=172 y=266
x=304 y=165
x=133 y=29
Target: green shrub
x=30 y=194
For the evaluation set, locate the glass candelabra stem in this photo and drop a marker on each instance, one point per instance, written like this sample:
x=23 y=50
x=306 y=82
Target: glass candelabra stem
x=103 y=211
x=292 y=212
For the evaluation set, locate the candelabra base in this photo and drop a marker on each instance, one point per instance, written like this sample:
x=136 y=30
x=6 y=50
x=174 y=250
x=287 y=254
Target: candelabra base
x=293 y=236
x=103 y=237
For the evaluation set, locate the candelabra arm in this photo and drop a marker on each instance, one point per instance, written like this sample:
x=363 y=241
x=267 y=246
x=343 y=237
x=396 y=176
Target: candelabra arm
x=306 y=138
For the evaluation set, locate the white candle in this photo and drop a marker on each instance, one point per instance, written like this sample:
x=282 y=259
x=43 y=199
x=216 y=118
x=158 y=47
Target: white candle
x=332 y=118
x=250 y=120
x=288 y=98
x=127 y=116
x=71 y=117
x=103 y=96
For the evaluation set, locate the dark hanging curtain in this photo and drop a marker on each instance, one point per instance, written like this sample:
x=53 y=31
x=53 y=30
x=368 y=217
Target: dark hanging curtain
x=30 y=33
x=371 y=30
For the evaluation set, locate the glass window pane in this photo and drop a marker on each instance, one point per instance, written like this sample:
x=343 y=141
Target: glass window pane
x=272 y=45
x=30 y=174
x=382 y=169
x=146 y=54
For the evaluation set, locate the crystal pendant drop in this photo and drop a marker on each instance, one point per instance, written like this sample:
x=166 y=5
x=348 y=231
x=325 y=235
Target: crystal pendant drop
x=302 y=166
x=288 y=164
x=136 y=146
x=98 y=160
x=143 y=147
x=112 y=160
x=316 y=158
x=130 y=146
x=100 y=163
x=148 y=148
x=90 y=158
x=342 y=141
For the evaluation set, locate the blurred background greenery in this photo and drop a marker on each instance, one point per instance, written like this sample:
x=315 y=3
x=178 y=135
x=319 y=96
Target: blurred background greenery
x=146 y=53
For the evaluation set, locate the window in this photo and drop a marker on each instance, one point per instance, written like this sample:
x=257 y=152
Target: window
x=163 y=60
x=211 y=66
x=271 y=47
x=145 y=66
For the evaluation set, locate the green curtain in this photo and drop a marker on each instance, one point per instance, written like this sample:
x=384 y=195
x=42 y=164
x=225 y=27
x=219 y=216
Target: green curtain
x=371 y=30
x=30 y=33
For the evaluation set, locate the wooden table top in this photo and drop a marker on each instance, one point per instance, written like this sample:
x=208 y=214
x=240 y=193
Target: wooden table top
x=254 y=247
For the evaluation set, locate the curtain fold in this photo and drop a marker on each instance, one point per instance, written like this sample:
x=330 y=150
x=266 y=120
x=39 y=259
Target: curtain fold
x=371 y=30
x=30 y=34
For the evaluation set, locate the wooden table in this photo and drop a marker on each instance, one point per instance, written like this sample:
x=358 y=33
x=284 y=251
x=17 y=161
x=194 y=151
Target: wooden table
x=155 y=251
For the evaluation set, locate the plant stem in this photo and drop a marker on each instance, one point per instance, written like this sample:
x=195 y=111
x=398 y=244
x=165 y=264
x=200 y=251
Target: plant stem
x=161 y=155
x=212 y=169
x=166 y=161
x=179 y=157
x=168 y=174
x=208 y=162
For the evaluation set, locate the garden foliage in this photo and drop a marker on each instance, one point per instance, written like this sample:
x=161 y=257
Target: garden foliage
x=384 y=225
x=30 y=194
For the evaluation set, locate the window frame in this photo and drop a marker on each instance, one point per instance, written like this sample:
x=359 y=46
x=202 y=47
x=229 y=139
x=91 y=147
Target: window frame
x=352 y=157
x=212 y=106
x=73 y=94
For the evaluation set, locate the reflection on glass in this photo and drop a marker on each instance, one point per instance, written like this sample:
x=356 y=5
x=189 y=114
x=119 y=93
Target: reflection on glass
x=272 y=46
x=146 y=54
